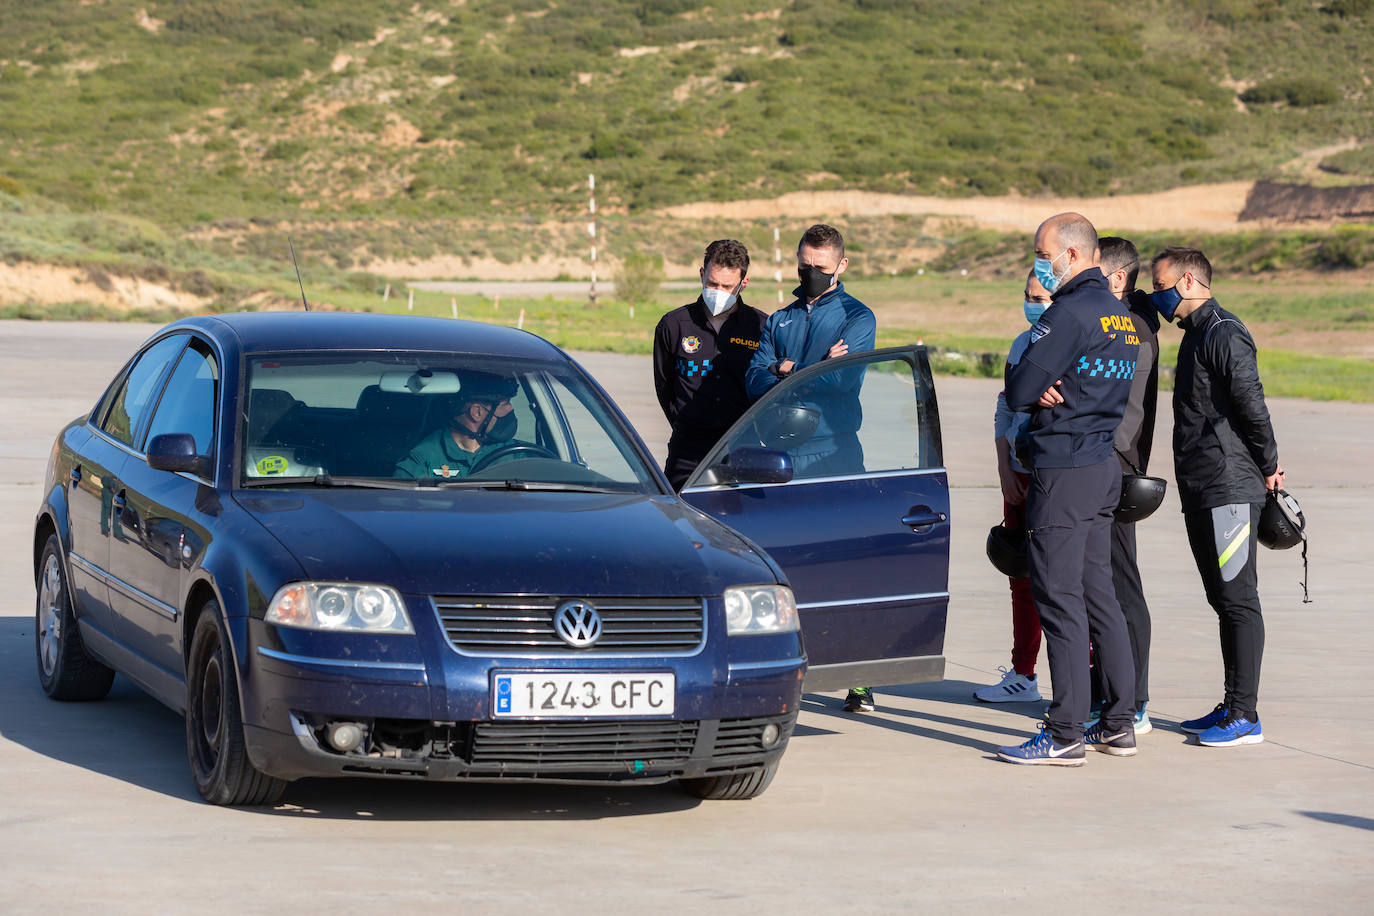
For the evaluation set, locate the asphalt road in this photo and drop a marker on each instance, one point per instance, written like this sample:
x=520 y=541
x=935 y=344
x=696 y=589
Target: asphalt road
x=901 y=810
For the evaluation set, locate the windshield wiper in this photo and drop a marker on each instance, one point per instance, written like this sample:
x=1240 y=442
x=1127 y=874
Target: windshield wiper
x=325 y=480
x=536 y=485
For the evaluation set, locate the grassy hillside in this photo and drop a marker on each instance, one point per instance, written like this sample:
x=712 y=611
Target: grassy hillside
x=186 y=112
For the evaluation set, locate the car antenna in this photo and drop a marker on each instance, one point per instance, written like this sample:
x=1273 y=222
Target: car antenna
x=298 y=273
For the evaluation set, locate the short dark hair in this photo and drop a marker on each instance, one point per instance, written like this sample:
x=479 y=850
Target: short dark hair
x=822 y=236
x=1186 y=260
x=727 y=253
x=1119 y=254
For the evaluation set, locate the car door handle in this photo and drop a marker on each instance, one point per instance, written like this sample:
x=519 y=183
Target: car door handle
x=75 y=475
x=922 y=517
x=119 y=502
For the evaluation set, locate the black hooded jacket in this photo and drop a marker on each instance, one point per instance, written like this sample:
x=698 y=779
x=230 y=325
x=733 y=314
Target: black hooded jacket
x=1224 y=444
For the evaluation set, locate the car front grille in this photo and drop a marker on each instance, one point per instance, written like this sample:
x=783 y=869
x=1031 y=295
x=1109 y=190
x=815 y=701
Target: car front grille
x=515 y=746
x=523 y=624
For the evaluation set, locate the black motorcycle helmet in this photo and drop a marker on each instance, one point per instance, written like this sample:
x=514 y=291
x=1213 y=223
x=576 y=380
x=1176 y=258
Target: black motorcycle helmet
x=1007 y=551
x=1281 y=522
x=1140 y=497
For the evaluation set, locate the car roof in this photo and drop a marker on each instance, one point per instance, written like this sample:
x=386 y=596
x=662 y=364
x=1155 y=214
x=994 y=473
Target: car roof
x=262 y=332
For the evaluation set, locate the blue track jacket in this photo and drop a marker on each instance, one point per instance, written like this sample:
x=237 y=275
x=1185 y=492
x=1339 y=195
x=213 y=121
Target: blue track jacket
x=805 y=335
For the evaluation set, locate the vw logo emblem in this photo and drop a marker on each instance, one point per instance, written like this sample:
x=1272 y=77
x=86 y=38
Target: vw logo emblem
x=577 y=623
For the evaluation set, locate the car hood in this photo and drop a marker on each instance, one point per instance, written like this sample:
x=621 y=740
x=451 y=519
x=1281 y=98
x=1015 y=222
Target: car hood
x=485 y=542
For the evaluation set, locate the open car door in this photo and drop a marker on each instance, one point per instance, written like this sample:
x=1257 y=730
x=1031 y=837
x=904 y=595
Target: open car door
x=838 y=473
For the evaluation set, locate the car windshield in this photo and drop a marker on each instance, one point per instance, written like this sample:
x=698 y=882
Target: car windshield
x=423 y=419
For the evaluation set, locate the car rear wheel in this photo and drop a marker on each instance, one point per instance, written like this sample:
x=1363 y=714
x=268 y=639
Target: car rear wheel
x=736 y=786
x=214 y=722
x=65 y=670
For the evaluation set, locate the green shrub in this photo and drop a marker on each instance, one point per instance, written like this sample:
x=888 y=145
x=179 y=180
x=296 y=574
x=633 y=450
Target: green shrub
x=639 y=277
x=1300 y=92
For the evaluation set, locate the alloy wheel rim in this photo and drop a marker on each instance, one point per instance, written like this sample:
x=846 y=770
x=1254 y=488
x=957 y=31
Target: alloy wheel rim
x=50 y=615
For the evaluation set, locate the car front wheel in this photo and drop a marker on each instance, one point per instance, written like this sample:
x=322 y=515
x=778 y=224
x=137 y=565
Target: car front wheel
x=737 y=786
x=65 y=670
x=214 y=722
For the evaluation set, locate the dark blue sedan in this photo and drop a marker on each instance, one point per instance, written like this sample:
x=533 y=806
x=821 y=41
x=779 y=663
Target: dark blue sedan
x=358 y=545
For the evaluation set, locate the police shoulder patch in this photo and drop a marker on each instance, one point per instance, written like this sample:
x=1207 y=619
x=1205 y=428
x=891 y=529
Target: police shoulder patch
x=1041 y=329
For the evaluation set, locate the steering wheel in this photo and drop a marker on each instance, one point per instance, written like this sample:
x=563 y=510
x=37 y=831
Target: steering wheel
x=508 y=451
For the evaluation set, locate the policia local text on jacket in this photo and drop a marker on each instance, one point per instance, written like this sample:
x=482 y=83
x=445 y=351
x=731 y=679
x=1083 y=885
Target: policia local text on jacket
x=1224 y=448
x=804 y=334
x=1087 y=341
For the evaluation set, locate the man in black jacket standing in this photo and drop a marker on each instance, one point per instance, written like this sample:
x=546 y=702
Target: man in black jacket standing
x=1120 y=264
x=1077 y=370
x=1225 y=458
x=701 y=353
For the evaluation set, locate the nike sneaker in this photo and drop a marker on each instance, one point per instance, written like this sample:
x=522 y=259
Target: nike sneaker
x=1043 y=751
x=1231 y=731
x=1202 y=723
x=1119 y=742
x=1142 y=722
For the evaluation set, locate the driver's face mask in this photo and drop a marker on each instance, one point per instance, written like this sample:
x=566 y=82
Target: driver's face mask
x=497 y=423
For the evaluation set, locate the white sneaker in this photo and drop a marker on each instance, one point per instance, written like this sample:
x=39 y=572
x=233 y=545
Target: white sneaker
x=1013 y=688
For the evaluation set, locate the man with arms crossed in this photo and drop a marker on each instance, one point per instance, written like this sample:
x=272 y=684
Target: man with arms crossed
x=1077 y=369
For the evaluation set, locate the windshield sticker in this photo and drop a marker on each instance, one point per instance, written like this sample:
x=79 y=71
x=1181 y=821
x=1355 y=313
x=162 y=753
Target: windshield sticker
x=272 y=465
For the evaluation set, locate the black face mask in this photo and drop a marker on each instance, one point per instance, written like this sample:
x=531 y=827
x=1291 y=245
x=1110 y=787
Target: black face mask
x=814 y=281
x=496 y=429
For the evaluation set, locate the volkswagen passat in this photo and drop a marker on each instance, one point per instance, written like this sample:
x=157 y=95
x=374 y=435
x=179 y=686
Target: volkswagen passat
x=357 y=545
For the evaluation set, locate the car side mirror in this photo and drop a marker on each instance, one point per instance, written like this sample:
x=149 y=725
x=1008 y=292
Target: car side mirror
x=177 y=452
x=751 y=464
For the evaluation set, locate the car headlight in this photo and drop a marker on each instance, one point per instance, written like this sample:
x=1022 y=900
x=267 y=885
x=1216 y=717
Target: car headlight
x=751 y=609
x=340 y=607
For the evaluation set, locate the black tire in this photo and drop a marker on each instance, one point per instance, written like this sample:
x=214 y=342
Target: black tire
x=739 y=786
x=214 y=722
x=65 y=670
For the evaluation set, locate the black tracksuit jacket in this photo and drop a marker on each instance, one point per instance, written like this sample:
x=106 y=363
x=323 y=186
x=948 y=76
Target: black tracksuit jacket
x=1223 y=441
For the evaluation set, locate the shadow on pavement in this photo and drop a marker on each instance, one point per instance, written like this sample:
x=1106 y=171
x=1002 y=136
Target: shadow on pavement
x=1345 y=820
x=831 y=706
x=131 y=737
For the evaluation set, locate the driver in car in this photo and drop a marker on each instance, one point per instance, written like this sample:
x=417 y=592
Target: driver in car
x=482 y=423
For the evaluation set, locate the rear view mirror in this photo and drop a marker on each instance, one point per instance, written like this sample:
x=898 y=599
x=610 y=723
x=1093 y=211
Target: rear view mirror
x=421 y=381
x=749 y=464
x=786 y=426
x=177 y=452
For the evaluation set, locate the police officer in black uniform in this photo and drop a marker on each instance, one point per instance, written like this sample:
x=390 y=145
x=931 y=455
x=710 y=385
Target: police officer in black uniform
x=1225 y=458
x=1075 y=376
x=701 y=352
x=1120 y=263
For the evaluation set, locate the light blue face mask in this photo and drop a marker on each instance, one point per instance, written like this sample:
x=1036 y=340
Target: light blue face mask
x=1044 y=272
x=1034 y=310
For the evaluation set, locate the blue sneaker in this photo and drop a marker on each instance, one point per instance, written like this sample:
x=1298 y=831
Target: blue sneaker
x=1200 y=725
x=1118 y=743
x=1043 y=750
x=1232 y=731
x=1094 y=715
x=1142 y=722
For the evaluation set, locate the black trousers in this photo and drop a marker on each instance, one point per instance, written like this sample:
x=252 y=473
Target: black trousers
x=1130 y=594
x=1223 y=540
x=1069 y=517
x=685 y=452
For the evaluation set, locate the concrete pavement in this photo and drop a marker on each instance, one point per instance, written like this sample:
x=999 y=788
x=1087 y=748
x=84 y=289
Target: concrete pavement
x=901 y=810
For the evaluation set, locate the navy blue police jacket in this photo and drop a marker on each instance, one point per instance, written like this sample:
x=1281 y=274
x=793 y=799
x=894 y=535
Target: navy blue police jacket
x=805 y=335
x=1089 y=341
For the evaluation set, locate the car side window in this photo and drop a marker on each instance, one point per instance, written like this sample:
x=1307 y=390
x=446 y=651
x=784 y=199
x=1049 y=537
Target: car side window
x=188 y=401
x=135 y=397
x=872 y=416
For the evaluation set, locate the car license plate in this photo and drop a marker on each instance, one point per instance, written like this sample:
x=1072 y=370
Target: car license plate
x=587 y=693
